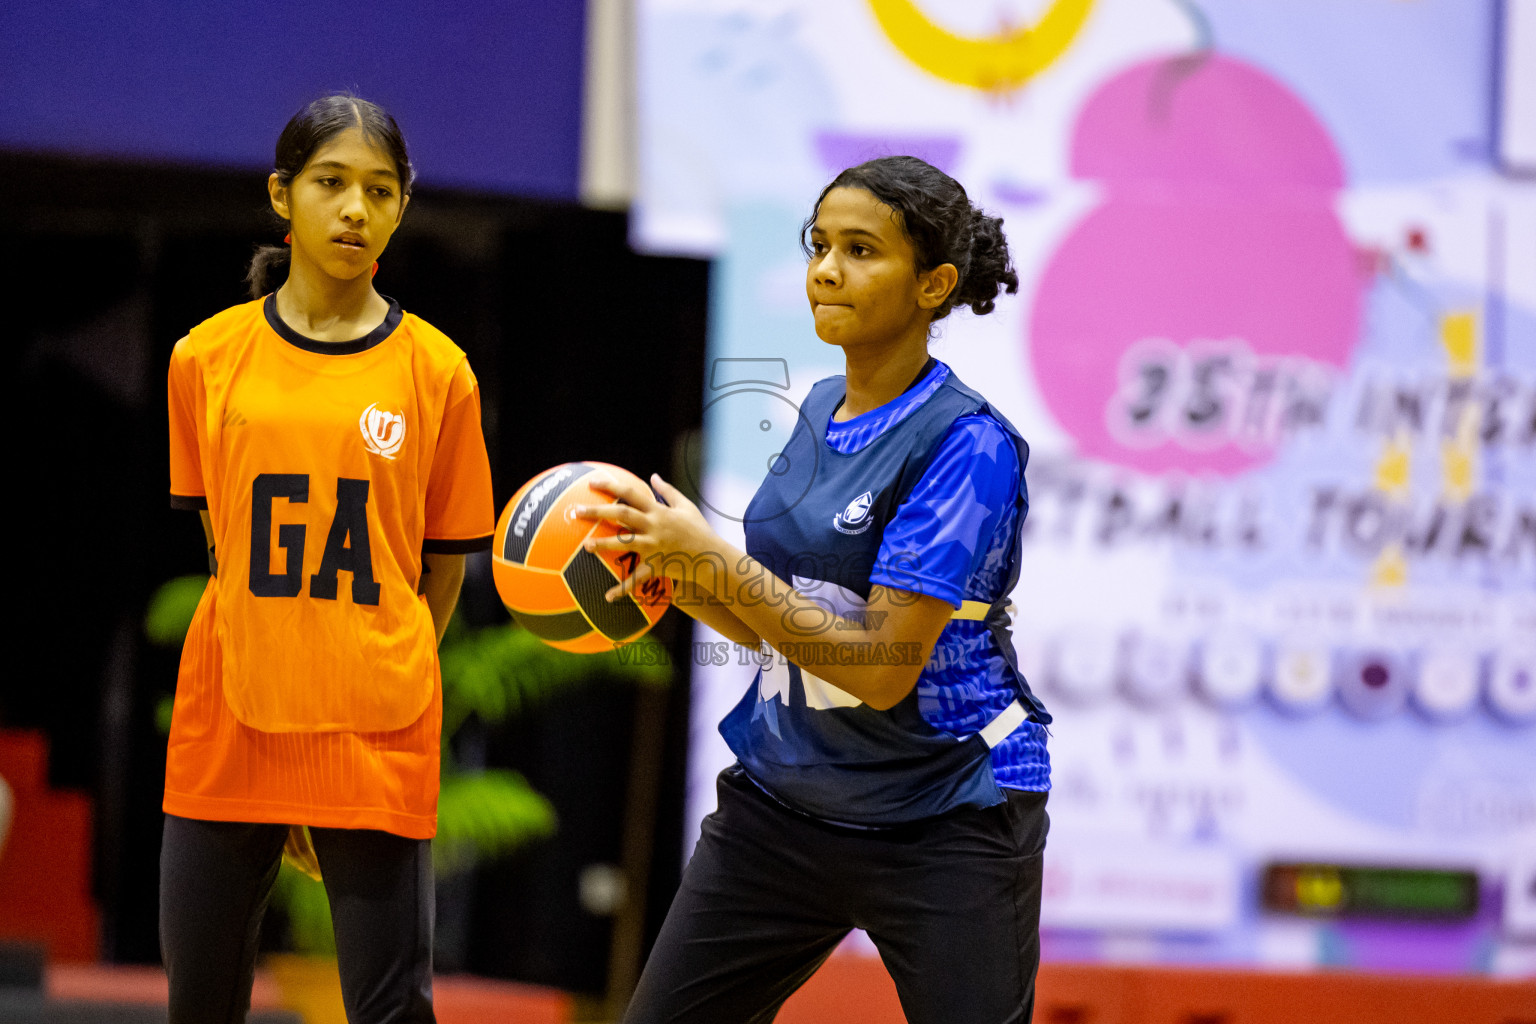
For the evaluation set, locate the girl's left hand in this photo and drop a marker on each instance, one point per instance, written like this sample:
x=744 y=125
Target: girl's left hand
x=667 y=536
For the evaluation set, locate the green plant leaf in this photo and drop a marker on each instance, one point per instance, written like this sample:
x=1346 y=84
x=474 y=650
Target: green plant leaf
x=171 y=608
x=494 y=673
x=484 y=815
x=164 y=707
x=309 y=911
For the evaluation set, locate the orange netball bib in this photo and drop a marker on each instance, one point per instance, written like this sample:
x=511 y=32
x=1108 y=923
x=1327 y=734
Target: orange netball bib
x=323 y=469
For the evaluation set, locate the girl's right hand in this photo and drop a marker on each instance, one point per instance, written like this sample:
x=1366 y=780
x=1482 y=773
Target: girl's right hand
x=668 y=535
x=299 y=851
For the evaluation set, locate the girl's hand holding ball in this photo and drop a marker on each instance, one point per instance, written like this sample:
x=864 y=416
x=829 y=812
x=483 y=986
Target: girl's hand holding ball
x=667 y=534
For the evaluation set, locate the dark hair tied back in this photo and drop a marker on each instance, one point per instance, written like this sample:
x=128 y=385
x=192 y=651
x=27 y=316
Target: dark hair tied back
x=308 y=130
x=941 y=223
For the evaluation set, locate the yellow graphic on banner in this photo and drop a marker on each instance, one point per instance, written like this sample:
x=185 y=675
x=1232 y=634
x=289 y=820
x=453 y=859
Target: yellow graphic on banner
x=992 y=64
x=1391 y=567
x=1458 y=334
x=1458 y=447
x=1458 y=468
x=1458 y=452
x=1393 y=469
x=1394 y=466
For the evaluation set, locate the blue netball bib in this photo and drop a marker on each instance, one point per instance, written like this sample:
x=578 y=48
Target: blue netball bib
x=817 y=522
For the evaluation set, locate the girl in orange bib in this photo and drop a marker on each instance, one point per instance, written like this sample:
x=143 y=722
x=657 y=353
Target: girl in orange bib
x=332 y=444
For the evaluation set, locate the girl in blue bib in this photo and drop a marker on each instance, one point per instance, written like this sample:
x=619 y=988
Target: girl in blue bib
x=891 y=766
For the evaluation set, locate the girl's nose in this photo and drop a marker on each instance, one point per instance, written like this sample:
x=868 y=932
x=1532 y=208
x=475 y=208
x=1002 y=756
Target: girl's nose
x=353 y=207
x=824 y=269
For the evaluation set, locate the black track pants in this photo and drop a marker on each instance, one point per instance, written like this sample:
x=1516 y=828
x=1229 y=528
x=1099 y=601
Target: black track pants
x=215 y=877
x=952 y=904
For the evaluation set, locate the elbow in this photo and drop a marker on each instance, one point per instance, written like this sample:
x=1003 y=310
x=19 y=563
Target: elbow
x=890 y=687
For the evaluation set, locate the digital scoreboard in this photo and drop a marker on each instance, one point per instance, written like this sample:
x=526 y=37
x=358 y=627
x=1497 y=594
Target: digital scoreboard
x=1334 y=890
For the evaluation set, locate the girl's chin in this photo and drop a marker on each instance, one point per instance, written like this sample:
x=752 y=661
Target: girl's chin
x=347 y=270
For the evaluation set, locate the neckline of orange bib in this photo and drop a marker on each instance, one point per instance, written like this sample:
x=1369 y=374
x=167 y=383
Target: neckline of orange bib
x=332 y=348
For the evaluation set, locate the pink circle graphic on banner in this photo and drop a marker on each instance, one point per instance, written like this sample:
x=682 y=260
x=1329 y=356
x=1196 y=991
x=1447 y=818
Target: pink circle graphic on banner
x=1200 y=315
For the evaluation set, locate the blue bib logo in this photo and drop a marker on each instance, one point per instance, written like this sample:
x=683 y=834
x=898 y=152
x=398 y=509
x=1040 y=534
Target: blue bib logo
x=855 y=518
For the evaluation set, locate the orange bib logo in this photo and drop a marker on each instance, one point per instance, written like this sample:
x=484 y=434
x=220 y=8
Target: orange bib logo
x=383 y=432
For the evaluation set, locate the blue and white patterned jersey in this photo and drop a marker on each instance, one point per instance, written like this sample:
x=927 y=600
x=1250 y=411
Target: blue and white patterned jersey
x=920 y=503
x=952 y=539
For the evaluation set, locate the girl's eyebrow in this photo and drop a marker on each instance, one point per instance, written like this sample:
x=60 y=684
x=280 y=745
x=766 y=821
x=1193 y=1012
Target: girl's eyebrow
x=337 y=165
x=847 y=232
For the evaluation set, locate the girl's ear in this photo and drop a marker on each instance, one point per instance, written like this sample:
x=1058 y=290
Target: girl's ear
x=404 y=202
x=278 y=192
x=934 y=286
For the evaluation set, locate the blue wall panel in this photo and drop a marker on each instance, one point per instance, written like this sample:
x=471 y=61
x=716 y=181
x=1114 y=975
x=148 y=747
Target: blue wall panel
x=489 y=94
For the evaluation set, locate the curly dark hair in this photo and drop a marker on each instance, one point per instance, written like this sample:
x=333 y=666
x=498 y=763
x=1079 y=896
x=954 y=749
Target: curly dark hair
x=941 y=224
x=308 y=130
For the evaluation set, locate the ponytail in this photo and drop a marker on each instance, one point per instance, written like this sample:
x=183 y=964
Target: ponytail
x=990 y=268
x=263 y=277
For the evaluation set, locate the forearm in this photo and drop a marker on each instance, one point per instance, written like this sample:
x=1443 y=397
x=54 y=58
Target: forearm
x=695 y=601
x=441 y=578
x=875 y=655
x=876 y=658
